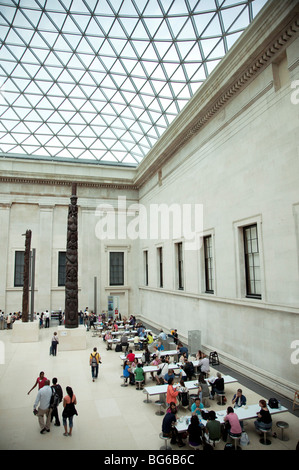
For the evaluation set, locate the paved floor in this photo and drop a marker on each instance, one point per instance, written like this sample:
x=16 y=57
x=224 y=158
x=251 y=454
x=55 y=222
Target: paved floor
x=110 y=417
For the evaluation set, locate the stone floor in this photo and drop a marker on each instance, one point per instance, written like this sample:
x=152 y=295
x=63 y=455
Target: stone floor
x=110 y=417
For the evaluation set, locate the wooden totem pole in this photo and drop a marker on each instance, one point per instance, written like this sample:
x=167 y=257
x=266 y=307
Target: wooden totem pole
x=71 y=278
x=25 y=300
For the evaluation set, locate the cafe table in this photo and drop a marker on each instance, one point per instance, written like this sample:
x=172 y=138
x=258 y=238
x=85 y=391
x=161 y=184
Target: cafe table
x=243 y=412
x=161 y=390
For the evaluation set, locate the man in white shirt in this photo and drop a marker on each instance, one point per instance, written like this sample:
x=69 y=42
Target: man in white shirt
x=47 y=316
x=204 y=365
x=43 y=398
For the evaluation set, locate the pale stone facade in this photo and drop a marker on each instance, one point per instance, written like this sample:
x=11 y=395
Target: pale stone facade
x=233 y=150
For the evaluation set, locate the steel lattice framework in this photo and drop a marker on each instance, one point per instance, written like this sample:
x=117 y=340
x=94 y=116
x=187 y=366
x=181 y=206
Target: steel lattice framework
x=101 y=80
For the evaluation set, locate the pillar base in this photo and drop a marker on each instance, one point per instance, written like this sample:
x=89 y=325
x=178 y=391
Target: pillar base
x=71 y=339
x=25 y=332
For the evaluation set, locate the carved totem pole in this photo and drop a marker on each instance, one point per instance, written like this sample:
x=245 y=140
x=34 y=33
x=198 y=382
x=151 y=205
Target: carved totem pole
x=71 y=275
x=25 y=300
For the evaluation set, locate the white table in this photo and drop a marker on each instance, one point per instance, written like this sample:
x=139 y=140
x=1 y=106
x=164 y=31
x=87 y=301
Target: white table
x=244 y=413
x=161 y=390
x=149 y=369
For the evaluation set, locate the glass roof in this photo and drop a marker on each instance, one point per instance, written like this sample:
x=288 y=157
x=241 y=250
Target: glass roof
x=101 y=80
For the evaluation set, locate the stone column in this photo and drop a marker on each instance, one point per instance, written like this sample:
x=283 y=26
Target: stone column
x=4 y=243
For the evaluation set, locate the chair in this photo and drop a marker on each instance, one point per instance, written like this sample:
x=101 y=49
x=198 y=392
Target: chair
x=139 y=383
x=214 y=441
x=235 y=439
x=124 y=384
x=165 y=439
x=205 y=402
x=214 y=359
x=194 y=447
x=282 y=425
x=264 y=440
x=296 y=400
x=221 y=396
x=160 y=403
x=184 y=400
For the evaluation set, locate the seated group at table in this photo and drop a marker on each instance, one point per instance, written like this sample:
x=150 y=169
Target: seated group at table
x=203 y=426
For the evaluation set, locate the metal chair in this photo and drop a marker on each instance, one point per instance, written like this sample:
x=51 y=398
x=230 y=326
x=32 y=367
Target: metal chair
x=264 y=440
x=235 y=439
x=124 y=384
x=282 y=425
x=221 y=397
x=296 y=400
x=165 y=439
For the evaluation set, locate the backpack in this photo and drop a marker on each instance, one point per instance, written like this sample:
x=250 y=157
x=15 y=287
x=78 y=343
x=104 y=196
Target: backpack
x=185 y=398
x=244 y=441
x=55 y=398
x=94 y=361
x=273 y=403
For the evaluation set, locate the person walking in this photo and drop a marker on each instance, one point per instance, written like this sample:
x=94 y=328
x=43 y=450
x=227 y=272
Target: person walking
x=57 y=396
x=43 y=399
x=94 y=361
x=69 y=410
x=40 y=381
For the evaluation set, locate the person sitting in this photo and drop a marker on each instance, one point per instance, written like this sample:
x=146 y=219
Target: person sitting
x=124 y=342
x=155 y=362
x=127 y=373
x=189 y=369
x=232 y=422
x=171 y=394
x=150 y=338
x=131 y=356
x=217 y=385
x=183 y=393
x=195 y=432
x=162 y=335
x=200 y=355
x=169 y=375
x=160 y=346
x=204 y=365
x=174 y=335
x=196 y=407
x=239 y=399
x=212 y=428
x=264 y=419
x=182 y=349
x=147 y=356
x=168 y=428
x=203 y=389
x=139 y=374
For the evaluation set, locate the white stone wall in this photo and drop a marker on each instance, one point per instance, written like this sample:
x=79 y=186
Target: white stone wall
x=243 y=168
x=45 y=214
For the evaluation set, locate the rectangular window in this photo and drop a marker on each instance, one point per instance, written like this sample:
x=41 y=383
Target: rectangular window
x=160 y=267
x=19 y=269
x=116 y=268
x=252 y=262
x=180 y=265
x=145 y=267
x=209 y=271
x=61 y=268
